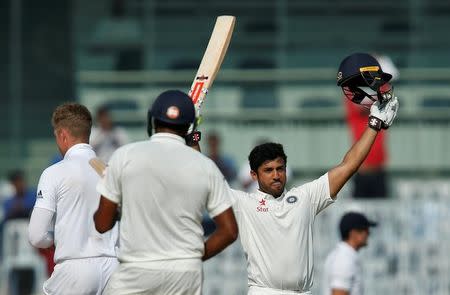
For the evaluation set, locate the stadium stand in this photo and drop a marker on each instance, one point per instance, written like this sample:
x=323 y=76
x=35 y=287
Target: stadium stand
x=297 y=46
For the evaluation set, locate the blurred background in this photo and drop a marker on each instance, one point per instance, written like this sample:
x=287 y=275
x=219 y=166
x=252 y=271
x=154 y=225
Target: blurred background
x=277 y=82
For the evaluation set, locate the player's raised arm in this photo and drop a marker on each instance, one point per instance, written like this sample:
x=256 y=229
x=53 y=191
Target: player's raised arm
x=359 y=74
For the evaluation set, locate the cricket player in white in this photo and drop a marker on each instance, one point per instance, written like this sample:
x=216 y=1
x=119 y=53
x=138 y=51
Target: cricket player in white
x=276 y=226
x=163 y=187
x=62 y=216
x=343 y=270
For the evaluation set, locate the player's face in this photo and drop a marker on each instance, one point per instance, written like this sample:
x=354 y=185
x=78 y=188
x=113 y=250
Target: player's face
x=362 y=237
x=271 y=176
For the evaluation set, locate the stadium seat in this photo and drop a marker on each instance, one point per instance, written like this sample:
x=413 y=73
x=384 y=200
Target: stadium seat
x=19 y=254
x=436 y=102
x=257 y=95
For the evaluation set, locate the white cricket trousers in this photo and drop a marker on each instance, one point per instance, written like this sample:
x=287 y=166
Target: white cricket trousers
x=84 y=276
x=255 y=290
x=129 y=279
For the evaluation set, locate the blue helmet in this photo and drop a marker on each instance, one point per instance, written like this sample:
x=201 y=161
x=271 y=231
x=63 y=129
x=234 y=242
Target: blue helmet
x=361 y=69
x=173 y=107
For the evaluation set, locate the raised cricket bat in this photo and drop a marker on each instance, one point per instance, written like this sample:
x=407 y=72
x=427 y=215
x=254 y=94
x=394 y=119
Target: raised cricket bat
x=206 y=73
x=211 y=61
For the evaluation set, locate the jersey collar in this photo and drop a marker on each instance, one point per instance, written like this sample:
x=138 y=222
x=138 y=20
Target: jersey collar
x=162 y=136
x=79 y=147
x=348 y=248
x=267 y=196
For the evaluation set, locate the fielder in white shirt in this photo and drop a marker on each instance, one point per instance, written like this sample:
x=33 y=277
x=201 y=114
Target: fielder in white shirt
x=62 y=215
x=343 y=271
x=163 y=187
x=276 y=225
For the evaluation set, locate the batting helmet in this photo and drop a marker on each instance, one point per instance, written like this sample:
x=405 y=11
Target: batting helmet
x=173 y=107
x=359 y=71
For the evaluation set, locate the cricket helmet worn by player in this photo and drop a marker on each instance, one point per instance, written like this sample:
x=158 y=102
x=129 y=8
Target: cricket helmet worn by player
x=363 y=81
x=171 y=107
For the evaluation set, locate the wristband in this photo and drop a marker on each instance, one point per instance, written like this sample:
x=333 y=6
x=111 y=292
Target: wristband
x=375 y=123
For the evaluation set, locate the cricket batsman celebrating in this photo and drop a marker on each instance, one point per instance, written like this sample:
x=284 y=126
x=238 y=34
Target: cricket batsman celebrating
x=275 y=224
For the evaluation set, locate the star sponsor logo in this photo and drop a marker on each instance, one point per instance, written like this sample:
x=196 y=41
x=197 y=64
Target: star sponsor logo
x=262 y=206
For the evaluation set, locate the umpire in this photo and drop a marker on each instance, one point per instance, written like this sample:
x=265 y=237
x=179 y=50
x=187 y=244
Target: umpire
x=163 y=186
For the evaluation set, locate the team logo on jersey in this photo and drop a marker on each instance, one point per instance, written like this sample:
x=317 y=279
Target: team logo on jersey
x=39 y=194
x=291 y=199
x=262 y=206
x=173 y=112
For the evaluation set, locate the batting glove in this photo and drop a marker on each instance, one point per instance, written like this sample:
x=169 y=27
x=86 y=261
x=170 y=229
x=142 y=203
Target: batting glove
x=193 y=138
x=383 y=114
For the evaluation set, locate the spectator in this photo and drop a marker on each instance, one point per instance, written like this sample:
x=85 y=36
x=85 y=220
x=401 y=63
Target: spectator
x=6 y=191
x=106 y=137
x=370 y=180
x=225 y=163
x=343 y=271
x=21 y=203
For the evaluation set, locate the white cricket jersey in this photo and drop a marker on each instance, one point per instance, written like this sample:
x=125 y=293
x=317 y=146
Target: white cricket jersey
x=163 y=187
x=343 y=270
x=277 y=234
x=68 y=189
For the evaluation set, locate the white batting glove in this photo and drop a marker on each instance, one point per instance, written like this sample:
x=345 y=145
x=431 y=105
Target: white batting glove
x=382 y=115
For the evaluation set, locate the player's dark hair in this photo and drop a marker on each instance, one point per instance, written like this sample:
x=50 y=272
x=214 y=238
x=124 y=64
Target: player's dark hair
x=265 y=152
x=181 y=130
x=345 y=233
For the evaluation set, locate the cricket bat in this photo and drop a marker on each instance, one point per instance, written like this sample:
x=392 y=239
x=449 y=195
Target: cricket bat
x=211 y=61
x=206 y=73
x=98 y=165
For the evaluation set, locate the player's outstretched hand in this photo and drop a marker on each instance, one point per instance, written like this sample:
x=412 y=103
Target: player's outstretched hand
x=382 y=115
